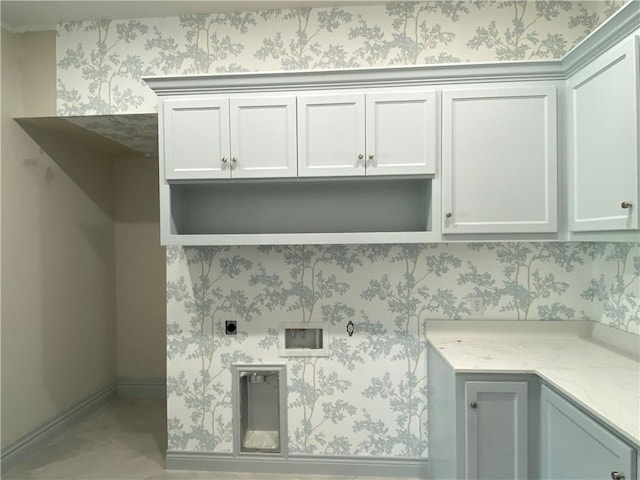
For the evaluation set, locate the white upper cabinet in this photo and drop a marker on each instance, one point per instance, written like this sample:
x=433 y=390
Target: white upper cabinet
x=331 y=135
x=195 y=138
x=603 y=142
x=241 y=137
x=399 y=129
x=263 y=137
x=499 y=160
x=401 y=133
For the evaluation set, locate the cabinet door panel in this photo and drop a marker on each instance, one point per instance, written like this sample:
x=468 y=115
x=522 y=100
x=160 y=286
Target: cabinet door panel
x=499 y=160
x=604 y=106
x=263 y=137
x=330 y=135
x=496 y=430
x=196 y=138
x=401 y=133
x=573 y=446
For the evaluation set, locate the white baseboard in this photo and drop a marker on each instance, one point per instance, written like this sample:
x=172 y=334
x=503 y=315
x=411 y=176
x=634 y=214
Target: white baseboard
x=39 y=437
x=299 y=464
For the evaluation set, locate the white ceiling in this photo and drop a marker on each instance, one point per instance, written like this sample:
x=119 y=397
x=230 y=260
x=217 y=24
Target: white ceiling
x=28 y=15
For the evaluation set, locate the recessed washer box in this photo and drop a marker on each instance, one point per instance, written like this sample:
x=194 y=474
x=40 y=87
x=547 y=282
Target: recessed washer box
x=304 y=339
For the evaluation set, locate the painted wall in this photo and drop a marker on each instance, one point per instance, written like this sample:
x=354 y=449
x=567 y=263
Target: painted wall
x=140 y=272
x=58 y=316
x=341 y=405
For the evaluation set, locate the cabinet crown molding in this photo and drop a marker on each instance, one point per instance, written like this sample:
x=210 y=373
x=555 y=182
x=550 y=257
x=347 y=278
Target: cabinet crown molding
x=394 y=76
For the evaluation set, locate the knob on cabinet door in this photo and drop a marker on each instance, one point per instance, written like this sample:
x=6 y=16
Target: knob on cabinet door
x=234 y=160
x=473 y=404
x=223 y=159
x=360 y=157
x=448 y=215
x=617 y=476
x=626 y=205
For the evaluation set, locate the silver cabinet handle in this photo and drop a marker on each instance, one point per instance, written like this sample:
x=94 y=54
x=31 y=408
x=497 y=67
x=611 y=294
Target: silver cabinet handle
x=224 y=159
x=626 y=205
x=473 y=404
x=360 y=157
x=617 y=476
x=234 y=160
x=448 y=215
x=370 y=157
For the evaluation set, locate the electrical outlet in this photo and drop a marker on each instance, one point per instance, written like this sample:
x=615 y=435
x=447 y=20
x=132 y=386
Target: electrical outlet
x=230 y=327
x=476 y=305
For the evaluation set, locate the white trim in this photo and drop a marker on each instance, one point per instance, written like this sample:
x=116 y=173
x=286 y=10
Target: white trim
x=403 y=76
x=299 y=464
x=39 y=437
x=609 y=33
x=168 y=238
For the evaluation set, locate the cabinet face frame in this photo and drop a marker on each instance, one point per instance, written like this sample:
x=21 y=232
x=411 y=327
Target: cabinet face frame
x=202 y=126
x=453 y=166
x=590 y=176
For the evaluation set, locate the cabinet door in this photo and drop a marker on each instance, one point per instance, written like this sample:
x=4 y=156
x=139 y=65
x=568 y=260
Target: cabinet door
x=401 y=133
x=603 y=142
x=196 y=138
x=331 y=135
x=496 y=430
x=263 y=137
x=499 y=160
x=573 y=446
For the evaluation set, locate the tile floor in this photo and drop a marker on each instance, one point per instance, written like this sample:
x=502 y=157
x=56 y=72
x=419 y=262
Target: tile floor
x=124 y=439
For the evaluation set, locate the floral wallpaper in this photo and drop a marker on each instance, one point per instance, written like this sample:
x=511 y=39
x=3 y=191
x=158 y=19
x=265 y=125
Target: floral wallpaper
x=100 y=62
x=368 y=398
x=341 y=404
x=139 y=132
x=614 y=288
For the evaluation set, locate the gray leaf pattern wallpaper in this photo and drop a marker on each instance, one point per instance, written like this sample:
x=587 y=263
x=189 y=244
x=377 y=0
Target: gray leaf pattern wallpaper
x=101 y=62
x=369 y=396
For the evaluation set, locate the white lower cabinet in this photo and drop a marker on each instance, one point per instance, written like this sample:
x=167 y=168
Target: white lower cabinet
x=481 y=426
x=574 y=446
x=496 y=415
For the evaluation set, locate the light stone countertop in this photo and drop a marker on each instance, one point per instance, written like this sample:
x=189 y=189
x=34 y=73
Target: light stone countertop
x=570 y=356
